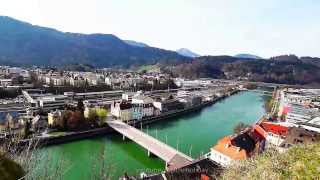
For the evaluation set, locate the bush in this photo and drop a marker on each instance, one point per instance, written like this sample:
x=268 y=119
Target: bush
x=300 y=162
x=9 y=170
x=240 y=127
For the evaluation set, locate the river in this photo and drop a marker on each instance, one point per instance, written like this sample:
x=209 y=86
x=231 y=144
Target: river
x=194 y=133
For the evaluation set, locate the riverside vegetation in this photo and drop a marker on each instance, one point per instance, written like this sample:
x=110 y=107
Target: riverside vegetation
x=300 y=162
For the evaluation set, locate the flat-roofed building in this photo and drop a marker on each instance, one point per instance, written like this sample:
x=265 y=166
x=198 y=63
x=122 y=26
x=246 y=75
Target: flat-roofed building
x=94 y=95
x=52 y=102
x=5 y=82
x=299 y=114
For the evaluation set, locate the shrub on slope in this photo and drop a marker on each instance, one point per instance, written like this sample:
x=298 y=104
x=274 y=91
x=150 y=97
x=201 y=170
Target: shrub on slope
x=300 y=162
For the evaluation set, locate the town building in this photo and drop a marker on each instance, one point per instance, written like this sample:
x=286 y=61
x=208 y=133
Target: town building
x=142 y=106
x=281 y=136
x=54 y=117
x=232 y=148
x=122 y=110
x=274 y=133
x=167 y=104
x=192 y=100
x=5 y=82
x=53 y=102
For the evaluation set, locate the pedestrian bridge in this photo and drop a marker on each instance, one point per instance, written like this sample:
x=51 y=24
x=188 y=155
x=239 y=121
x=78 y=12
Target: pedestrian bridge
x=173 y=158
x=268 y=93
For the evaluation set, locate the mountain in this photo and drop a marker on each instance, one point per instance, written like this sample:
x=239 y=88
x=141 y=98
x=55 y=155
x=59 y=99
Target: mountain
x=135 y=43
x=187 y=53
x=281 y=69
x=25 y=44
x=247 y=56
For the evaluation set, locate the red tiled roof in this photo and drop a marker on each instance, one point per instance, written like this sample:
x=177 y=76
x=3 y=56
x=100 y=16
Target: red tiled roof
x=274 y=128
x=258 y=130
x=225 y=147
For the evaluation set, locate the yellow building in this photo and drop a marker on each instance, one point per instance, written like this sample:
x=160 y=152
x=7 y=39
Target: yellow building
x=54 y=117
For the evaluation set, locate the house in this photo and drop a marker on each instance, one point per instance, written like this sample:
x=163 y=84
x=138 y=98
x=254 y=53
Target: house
x=58 y=81
x=190 y=101
x=54 y=117
x=282 y=136
x=10 y=122
x=122 y=110
x=167 y=104
x=111 y=80
x=128 y=96
x=141 y=99
x=299 y=135
x=47 y=79
x=142 y=106
x=76 y=81
x=273 y=133
x=230 y=149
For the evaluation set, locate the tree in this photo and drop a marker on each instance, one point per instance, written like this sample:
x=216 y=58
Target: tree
x=76 y=120
x=63 y=122
x=18 y=80
x=80 y=105
x=102 y=114
x=240 y=127
x=27 y=129
x=93 y=117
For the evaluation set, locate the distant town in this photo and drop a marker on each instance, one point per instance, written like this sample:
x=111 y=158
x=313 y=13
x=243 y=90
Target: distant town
x=42 y=97
x=50 y=106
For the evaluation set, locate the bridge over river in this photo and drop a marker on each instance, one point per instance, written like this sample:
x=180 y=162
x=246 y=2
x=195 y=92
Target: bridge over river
x=173 y=158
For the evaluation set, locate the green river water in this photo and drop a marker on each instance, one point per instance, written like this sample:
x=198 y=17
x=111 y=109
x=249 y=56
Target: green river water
x=194 y=133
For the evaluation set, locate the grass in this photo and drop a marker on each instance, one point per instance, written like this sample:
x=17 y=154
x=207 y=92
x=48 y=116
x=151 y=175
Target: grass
x=57 y=133
x=300 y=162
x=149 y=68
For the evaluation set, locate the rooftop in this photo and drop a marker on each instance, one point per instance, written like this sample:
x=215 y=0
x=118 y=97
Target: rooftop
x=236 y=148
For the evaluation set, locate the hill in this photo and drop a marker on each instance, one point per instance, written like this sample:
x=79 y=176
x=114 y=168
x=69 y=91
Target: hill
x=247 y=56
x=281 y=69
x=25 y=44
x=301 y=162
x=186 y=52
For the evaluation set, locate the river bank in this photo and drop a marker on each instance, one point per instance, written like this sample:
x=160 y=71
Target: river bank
x=73 y=136
x=193 y=134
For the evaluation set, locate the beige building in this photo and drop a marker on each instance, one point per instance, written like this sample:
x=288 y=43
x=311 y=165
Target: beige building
x=54 y=117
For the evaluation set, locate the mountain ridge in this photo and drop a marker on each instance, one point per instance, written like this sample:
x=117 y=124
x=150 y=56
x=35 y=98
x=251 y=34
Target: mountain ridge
x=27 y=44
x=136 y=43
x=187 y=53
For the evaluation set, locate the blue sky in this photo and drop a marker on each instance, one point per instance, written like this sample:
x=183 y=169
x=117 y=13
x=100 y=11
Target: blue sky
x=262 y=27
